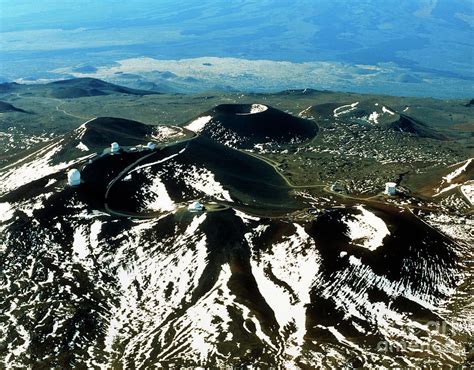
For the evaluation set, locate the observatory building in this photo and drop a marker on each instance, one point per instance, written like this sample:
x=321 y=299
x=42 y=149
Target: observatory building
x=114 y=147
x=195 y=207
x=390 y=188
x=74 y=177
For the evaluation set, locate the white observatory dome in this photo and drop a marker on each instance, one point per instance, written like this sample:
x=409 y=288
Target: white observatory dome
x=74 y=177
x=195 y=207
x=114 y=147
x=391 y=188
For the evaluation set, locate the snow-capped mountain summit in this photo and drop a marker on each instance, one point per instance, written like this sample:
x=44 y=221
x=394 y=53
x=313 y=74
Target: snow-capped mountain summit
x=119 y=271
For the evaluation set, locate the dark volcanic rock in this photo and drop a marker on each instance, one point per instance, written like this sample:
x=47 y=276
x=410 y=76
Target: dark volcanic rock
x=203 y=169
x=118 y=272
x=416 y=127
x=8 y=86
x=83 y=87
x=102 y=131
x=7 y=107
x=245 y=125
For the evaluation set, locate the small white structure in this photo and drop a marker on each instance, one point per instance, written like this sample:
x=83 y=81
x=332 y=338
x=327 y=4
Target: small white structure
x=195 y=207
x=74 y=177
x=114 y=147
x=151 y=145
x=391 y=188
x=338 y=188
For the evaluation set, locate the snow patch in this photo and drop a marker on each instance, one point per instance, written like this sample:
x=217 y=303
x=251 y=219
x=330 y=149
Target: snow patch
x=50 y=182
x=40 y=167
x=373 y=117
x=166 y=132
x=82 y=146
x=355 y=261
x=254 y=109
x=80 y=244
x=468 y=191
x=6 y=212
x=386 y=110
x=245 y=217
x=450 y=177
x=96 y=227
x=448 y=188
x=345 y=109
x=366 y=230
x=295 y=261
x=204 y=180
x=161 y=201
x=146 y=165
x=198 y=124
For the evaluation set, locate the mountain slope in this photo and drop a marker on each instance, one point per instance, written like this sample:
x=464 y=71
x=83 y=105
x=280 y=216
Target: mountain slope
x=72 y=89
x=373 y=112
x=102 y=131
x=244 y=126
x=75 y=147
x=414 y=126
x=215 y=288
x=199 y=169
x=7 y=107
x=6 y=87
x=82 y=87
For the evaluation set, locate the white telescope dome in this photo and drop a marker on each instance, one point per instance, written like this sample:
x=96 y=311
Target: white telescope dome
x=390 y=188
x=195 y=206
x=114 y=147
x=74 y=177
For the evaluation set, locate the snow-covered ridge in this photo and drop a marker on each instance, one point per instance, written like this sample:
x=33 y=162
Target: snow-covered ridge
x=81 y=130
x=344 y=109
x=180 y=267
x=449 y=179
x=451 y=176
x=386 y=110
x=147 y=165
x=298 y=270
x=40 y=166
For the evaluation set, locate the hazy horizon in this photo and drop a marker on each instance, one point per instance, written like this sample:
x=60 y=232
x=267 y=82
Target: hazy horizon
x=421 y=48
